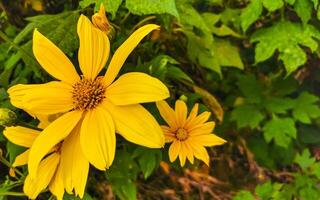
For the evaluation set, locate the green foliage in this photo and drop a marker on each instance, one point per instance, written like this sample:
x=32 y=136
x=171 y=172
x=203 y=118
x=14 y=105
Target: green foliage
x=285 y=37
x=305 y=109
x=282 y=130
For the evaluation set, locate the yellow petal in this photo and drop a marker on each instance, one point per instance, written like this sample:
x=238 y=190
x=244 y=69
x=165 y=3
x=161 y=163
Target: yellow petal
x=181 y=112
x=167 y=113
x=182 y=154
x=98 y=138
x=94 y=48
x=49 y=98
x=21 y=159
x=136 y=87
x=199 y=152
x=47 y=168
x=50 y=136
x=136 y=125
x=202 y=118
x=174 y=150
x=208 y=140
x=189 y=151
x=20 y=135
x=193 y=113
x=56 y=186
x=169 y=136
x=201 y=129
x=124 y=50
x=52 y=59
x=75 y=167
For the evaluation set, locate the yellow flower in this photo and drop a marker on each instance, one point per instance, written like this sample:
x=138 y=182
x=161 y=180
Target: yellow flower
x=189 y=135
x=101 y=21
x=97 y=105
x=61 y=169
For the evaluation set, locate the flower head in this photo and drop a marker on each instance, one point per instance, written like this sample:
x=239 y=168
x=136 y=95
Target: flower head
x=101 y=21
x=61 y=168
x=93 y=106
x=189 y=135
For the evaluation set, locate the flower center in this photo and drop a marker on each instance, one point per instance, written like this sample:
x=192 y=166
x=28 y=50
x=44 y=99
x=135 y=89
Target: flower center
x=87 y=94
x=181 y=134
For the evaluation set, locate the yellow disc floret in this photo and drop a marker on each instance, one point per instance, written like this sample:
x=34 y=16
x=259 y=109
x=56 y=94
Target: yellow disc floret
x=87 y=94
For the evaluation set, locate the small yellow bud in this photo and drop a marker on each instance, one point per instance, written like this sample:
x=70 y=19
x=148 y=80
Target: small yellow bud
x=7 y=117
x=100 y=20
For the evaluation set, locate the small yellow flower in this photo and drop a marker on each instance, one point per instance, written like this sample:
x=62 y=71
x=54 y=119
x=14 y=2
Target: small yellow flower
x=61 y=169
x=189 y=135
x=93 y=106
x=101 y=21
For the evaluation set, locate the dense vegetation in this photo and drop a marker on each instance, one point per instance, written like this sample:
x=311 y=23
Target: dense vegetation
x=253 y=63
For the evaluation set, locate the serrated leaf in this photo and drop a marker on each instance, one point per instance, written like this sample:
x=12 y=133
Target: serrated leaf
x=305 y=108
x=222 y=30
x=227 y=54
x=272 y=5
x=247 y=116
x=145 y=7
x=281 y=130
x=278 y=105
x=250 y=14
x=286 y=37
x=190 y=16
x=304 y=10
x=305 y=159
x=265 y=190
x=243 y=195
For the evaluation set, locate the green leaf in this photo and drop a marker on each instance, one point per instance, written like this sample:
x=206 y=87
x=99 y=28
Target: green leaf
x=227 y=54
x=315 y=168
x=250 y=14
x=272 y=5
x=251 y=88
x=145 y=7
x=243 y=195
x=291 y=2
x=309 y=134
x=178 y=74
x=286 y=37
x=110 y=6
x=281 y=130
x=148 y=160
x=278 y=105
x=247 y=115
x=223 y=30
x=122 y=175
x=304 y=10
x=305 y=159
x=305 y=108
x=265 y=190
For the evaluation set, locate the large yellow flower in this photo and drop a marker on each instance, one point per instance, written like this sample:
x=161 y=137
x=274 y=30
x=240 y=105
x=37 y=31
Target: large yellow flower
x=61 y=169
x=97 y=105
x=189 y=135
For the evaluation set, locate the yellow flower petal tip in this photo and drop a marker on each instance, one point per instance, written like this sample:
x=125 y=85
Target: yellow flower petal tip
x=189 y=135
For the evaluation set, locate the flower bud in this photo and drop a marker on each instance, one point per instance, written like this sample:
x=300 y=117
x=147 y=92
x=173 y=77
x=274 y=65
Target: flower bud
x=7 y=117
x=100 y=21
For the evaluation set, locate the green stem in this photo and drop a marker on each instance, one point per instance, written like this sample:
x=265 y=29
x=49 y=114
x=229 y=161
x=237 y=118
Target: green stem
x=142 y=22
x=7 y=163
x=18 y=194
